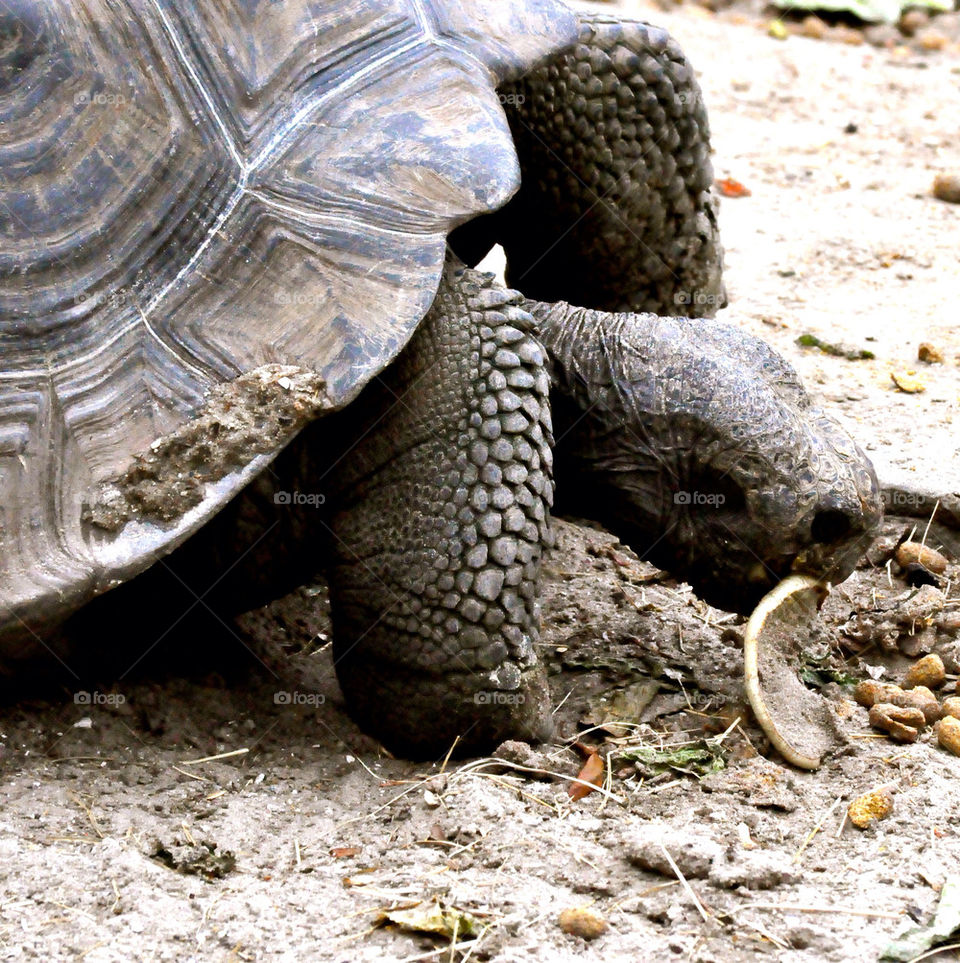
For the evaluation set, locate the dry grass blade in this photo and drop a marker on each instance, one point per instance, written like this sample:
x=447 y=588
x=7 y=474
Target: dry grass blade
x=221 y=755
x=683 y=882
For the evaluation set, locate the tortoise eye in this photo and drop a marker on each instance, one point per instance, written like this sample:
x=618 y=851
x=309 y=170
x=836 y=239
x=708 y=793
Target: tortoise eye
x=23 y=38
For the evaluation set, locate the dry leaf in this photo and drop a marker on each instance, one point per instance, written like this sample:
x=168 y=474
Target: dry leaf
x=729 y=187
x=344 y=852
x=911 y=386
x=592 y=772
x=432 y=918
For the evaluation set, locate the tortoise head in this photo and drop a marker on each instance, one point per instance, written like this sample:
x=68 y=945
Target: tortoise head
x=697 y=444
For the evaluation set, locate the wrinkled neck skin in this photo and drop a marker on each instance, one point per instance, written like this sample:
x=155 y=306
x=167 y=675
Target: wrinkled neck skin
x=698 y=446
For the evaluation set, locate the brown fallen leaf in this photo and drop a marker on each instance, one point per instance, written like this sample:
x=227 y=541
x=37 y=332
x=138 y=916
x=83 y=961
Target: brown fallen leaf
x=908 y=385
x=344 y=852
x=592 y=772
x=729 y=187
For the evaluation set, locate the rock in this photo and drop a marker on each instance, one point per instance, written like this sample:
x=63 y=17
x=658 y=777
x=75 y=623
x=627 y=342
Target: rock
x=777 y=30
x=920 y=697
x=870 y=807
x=582 y=923
x=522 y=754
x=914 y=552
x=950 y=653
x=882 y=35
x=913 y=20
x=932 y=39
x=928 y=671
x=948 y=734
x=904 y=725
x=929 y=353
x=920 y=607
x=847 y=35
x=869 y=692
x=949 y=624
x=946 y=187
x=813 y=27
x=951 y=707
x=693 y=853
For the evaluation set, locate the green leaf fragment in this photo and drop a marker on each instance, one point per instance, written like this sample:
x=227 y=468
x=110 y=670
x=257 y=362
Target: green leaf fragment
x=943 y=928
x=837 y=350
x=698 y=760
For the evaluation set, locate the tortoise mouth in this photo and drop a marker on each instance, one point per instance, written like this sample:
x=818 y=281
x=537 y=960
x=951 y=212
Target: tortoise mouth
x=738 y=583
x=738 y=588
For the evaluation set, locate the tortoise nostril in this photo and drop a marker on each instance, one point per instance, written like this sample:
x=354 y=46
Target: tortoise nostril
x=830 y=526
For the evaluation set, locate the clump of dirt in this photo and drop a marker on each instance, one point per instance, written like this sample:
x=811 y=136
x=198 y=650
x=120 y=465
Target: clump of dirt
x=255 y=413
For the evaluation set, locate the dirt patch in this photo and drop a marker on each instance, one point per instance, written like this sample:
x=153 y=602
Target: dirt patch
x=253 y=819
x=287 y=835
x=257 y=413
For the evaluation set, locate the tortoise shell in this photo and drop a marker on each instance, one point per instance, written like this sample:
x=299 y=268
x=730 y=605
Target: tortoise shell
x=217 y=220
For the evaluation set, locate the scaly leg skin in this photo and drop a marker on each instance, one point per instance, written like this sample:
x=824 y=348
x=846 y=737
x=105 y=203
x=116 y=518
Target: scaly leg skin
x=440 y=514
x=615 y=210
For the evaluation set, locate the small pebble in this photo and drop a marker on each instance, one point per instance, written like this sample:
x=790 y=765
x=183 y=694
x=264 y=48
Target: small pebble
x=583 y=923
x=882 y=35
x=904 y=725
x=848 y=35
x=948 y=734
x=951 y=707
x=949 y=623
x=946 y=187
x=928 y=671
x=869 y=692
x=907 y=383
x=932 y=40
x=913 y=20
x=929 y=558
x=929 y=353
x=813 y=27
x=871 y=806
x=920 y=697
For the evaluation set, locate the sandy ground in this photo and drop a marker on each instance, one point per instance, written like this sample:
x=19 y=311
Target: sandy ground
x=116 y=844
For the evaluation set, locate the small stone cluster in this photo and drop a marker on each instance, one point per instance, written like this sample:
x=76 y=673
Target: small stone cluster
x=903 y=712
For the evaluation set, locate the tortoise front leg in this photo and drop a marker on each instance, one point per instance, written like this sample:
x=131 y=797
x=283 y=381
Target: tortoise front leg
x=441 y=496
x=615 y=209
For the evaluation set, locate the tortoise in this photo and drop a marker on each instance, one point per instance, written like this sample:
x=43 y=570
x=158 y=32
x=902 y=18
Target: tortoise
x=233 y=329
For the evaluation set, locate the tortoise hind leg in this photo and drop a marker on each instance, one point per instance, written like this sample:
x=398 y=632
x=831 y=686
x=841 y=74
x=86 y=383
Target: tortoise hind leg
x=615 y=210
x=440 y=512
